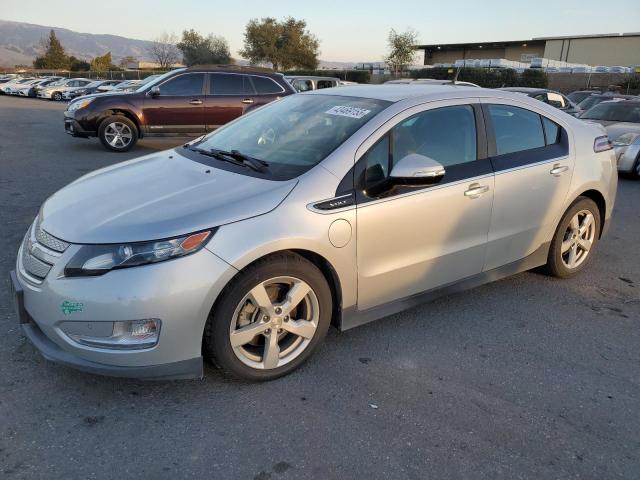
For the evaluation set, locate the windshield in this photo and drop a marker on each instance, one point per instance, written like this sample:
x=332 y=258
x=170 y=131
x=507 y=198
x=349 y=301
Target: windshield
x=615 y=112
x=592 y=101
x=577 y=97
x=94 y=84
x=294 y=134
x=153 y=79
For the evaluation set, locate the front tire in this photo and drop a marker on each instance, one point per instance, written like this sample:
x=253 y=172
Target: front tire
x=269 y=319
x=117 y=133
x=575 y=239
x=57 y=97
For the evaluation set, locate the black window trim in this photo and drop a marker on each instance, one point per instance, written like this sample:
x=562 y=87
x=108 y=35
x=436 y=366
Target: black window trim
x=202 y=89
x=523 y=158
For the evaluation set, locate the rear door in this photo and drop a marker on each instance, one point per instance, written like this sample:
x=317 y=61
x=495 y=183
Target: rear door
x=228 y=96
x=531 y=157
x=179 y=106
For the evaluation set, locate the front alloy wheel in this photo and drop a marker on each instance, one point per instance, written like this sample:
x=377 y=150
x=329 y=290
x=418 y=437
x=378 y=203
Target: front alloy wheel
x=270 y=318
x=274 y=323
x=118 y=133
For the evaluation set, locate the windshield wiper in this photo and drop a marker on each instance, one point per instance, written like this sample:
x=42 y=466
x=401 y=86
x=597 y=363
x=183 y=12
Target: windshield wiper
x=235 y=157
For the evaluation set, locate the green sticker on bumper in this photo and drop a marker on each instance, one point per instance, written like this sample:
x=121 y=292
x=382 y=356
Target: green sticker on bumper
x=68 y=307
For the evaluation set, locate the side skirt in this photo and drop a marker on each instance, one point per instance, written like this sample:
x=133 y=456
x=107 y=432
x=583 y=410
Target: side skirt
x=352 y=317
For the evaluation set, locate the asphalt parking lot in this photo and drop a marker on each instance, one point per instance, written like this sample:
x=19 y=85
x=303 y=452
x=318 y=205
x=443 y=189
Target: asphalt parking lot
x=529 y=377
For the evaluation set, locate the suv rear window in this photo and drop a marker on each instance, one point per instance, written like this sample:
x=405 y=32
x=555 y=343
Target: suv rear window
x=265 y=85
x=229 y=84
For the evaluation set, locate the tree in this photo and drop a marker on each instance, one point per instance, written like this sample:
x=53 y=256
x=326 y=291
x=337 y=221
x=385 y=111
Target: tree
x=198 y=50
x=54 y=55
x=78 y=65
x=164 y=51
x=401 y=50
x=287 y=44
x=124 y=61
x=102 y=64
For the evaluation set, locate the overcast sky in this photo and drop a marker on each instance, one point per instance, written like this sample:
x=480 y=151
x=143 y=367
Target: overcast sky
x=348 y=30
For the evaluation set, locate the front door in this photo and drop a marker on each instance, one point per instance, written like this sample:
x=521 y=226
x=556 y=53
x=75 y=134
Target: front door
x=178 y=107
x=533 y=167
x=414 y=239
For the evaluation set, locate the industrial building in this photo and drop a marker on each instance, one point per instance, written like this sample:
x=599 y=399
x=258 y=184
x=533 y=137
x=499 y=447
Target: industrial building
x=606 y=49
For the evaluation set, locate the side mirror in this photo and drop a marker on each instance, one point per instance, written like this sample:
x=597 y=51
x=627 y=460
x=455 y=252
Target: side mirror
x=155 y=91
x=416 y=169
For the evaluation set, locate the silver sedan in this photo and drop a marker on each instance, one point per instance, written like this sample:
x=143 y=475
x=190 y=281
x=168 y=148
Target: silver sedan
x=333 y=207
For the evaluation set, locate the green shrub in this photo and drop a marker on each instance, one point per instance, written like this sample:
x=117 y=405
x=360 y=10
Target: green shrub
x=360 y=76
x=488 y=78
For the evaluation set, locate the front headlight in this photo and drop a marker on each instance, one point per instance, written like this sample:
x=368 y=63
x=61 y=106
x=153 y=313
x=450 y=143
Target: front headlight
x=94 y=260
x=626 y=139
x=79 y=104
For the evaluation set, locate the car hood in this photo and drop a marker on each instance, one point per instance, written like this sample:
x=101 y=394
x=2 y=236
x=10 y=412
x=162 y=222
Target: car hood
x=162 y=195
x=615 y=129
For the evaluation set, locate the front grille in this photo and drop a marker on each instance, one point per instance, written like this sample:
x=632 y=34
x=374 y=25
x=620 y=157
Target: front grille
x=40 y=250
x=50 y=241
x=33 y=266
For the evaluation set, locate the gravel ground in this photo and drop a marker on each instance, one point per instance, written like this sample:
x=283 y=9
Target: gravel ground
x=528 y=377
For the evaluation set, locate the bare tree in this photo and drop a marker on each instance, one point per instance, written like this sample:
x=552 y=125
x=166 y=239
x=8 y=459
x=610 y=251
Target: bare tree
x=163 y=50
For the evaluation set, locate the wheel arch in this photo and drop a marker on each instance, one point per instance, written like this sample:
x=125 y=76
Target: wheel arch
x=324 y=265
x=600 y=201
x=126 y=113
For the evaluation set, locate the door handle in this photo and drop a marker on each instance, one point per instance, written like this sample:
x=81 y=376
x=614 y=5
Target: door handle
x=558 y=170
x=196 y=102
x=475 y=190
x=247 y=100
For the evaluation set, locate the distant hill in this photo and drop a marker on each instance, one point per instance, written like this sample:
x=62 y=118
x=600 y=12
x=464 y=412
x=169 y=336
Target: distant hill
x=20 y=43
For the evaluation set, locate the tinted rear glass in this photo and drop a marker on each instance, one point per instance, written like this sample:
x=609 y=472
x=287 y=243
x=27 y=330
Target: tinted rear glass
x=516 y=129
x=229 y=84
x=265 y=86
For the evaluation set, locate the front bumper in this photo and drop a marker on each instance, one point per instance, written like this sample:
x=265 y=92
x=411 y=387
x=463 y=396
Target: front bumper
x=75 y=129
x=179 y=292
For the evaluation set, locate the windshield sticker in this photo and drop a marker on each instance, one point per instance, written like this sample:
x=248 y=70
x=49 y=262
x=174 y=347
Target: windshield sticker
x=351 y=112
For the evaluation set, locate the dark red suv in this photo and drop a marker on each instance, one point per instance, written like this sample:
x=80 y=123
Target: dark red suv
x=188 y=101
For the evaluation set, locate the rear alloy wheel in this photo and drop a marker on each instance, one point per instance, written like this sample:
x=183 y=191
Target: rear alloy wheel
x=118 y=133
x=575 y=239
x=270 y=318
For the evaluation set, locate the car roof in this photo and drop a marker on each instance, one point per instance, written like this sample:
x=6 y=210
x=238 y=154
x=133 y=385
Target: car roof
x=527 y=89
x=397 y=92
x=310 y=77
x=231 y=68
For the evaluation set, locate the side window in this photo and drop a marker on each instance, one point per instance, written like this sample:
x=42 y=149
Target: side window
x=265 y=86
x=183 y=85
x=303 y=85
x=324 y=84
x=551 y=131
x=516 y=129
x=229 y=84
x=448 y=135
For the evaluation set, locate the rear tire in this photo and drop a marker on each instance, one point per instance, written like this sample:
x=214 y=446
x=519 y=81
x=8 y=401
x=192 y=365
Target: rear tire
x=575 y=239
x=118 y=134
x=281 y=306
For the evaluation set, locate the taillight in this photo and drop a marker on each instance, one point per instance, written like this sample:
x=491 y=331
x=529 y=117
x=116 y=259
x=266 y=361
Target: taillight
x=602 y=144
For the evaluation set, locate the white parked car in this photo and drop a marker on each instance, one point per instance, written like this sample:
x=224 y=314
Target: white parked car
x=7 y=88
x=56 y=90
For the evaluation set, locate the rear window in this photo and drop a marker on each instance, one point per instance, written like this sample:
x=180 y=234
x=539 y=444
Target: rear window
x=516 y=129
x=265 y=85
x=229 y=84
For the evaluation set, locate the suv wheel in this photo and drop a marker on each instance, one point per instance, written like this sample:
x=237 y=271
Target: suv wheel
x=118 y=133
x=575 y=239
x=269 y=319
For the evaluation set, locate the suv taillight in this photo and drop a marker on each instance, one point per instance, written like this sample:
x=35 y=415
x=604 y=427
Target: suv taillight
x=602 y=144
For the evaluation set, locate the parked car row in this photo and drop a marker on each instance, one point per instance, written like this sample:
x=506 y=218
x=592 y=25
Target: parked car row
x=59 y=88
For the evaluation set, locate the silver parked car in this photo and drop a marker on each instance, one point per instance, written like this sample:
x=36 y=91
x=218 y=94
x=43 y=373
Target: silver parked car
x=329 y=207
